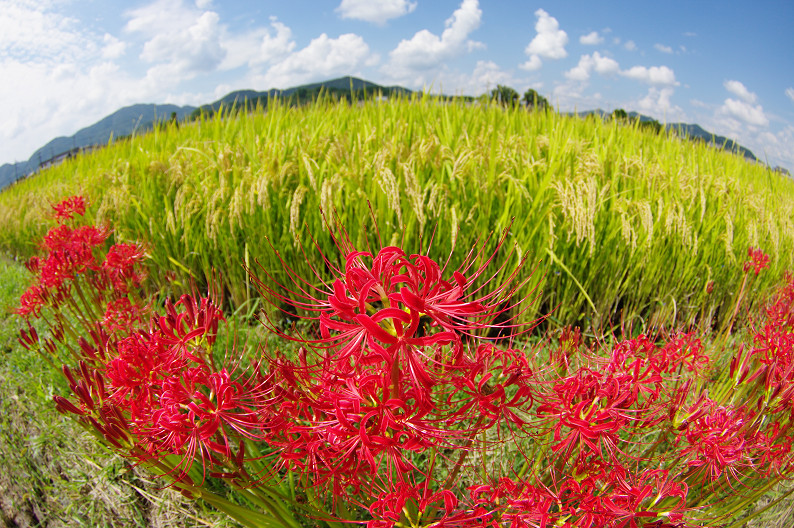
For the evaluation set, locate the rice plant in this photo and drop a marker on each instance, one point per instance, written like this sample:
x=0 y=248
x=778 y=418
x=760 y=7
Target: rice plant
x=627 y=227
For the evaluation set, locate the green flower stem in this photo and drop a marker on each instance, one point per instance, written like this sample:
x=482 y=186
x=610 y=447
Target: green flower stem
x=743 y=522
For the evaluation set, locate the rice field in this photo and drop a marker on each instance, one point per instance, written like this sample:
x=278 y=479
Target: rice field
x=625 y=227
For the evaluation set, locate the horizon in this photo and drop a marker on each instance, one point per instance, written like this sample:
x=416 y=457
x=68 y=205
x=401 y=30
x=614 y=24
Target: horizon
x=724 y=69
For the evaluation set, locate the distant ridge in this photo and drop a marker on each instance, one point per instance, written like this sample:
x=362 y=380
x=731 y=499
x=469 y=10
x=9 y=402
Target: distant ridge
x=142 y=117
x=696 y=132
x=342 y=85
x=684 y=130
x=124 y=122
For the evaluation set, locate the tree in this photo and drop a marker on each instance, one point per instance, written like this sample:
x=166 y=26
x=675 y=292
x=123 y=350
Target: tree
x=504 y=95
x=619 y=113
x=534 y=100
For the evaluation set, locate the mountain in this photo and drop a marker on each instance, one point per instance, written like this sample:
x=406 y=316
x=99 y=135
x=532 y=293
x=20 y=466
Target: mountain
x=127 y=121
x=695 y=132
x=142 y=117
x=347 y=87
x=684 y=130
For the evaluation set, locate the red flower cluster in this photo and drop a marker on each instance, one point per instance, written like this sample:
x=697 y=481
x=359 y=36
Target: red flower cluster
x=66 y=209
x=727 y=439
x=391 y=372
x=409 y=383
x=73 y=256
x=758 y=260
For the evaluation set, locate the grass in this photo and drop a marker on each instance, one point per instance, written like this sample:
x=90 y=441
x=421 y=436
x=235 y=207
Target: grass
x=628 y=226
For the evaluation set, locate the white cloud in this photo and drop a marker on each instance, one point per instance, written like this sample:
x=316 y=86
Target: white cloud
x=181 y=41
x=591 y=39
x=780 y=150
x=485 y=76
x=58 y=73
x=657 y=75
x=549 y=42
x=629 y=45
x=375 y=11
x=790 y=93
x=658 y=105
x=570 y=96
x=744 y=111
x=425 y=50
x=324 y=57
x=112 y=47
x=532 y=64
x=58 y=101
x=589 y=63
x=194 y=49
x=663 y=48
x=739 y=90
x=28 y=31
x=161 y=17
x=258 y=47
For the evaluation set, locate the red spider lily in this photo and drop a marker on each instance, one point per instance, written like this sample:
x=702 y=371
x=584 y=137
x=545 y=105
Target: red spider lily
x=122 y=266
x=485 y=382
x=685 y=350
x=758 y=260
x=719 y=438
x=589 y=408
x=70 y=253
x=122 y=316
x=641 y=496
x=389 y=373
x=177 y=404
x=357 y=309
x=197 y=321
x=395 y=505
x=781 y=310
x=67 y=208
x=32 y=301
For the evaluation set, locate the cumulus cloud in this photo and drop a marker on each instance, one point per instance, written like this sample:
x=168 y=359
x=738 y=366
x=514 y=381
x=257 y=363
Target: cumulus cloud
x=790 y=93
x=425 y=50
x=196 y=48
x=180 y=41
x=485 y=76
x=30 y=31
x=589 y=63
x=657 y=75
x=62 y=74
x=375 y=11
x=630 y=45
x=571 y=96
x=657 y=104
x=259 y=46
x=744 y=111
x=663 y=48
x=112 y=47
x=591 y=39
x=738 y=89
x=324 y=57
x=532 y=64
x=549 y=42
x=161 y=16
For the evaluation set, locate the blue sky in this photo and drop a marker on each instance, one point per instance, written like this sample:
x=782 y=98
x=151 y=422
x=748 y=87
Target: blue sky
x=724 y=65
